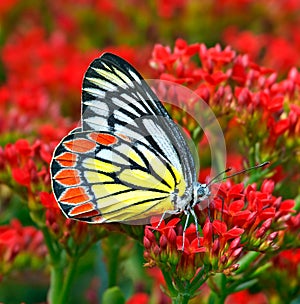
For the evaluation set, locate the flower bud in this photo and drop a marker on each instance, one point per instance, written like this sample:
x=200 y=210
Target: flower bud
x=163 y=241
x=215 y=247
x=172 y=236
x=149 y=235
x=223 y=259
x=147 y=243
x=235 y=243
x=156 y=250
x=236 y=252
x=260 y=232
x=272 y=236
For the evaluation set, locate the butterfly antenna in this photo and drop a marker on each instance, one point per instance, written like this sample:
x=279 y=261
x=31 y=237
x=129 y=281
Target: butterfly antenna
x=236 y=173
x=218 y=175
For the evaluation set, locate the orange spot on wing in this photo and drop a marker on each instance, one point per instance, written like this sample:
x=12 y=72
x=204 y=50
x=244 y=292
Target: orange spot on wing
x=103 y=138
x=126 y=138
x=98 y=219
x=88 y=214
x=74 y=196
x=68 y=177
x=80 y=145
x=66 y=159
x=84 y=210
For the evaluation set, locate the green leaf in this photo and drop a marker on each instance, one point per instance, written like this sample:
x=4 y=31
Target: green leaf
x=245 y=285
x=113 y=295
x=246 y=261
x=260 y=270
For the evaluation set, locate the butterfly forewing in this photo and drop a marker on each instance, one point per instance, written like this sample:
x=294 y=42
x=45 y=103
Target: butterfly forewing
x=122 y=103
x=114 y=94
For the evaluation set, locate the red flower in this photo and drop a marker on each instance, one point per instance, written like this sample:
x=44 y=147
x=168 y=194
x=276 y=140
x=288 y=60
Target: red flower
x=168 y=9
x=48 y=201
x=22 y=176
x=5 y=6
x=192 y=244
x=246 y=297
x=245 y=42
x=15 y=239
x=138 y=298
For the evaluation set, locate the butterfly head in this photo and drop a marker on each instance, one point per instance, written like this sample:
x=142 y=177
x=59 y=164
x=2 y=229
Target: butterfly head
x=203 y=192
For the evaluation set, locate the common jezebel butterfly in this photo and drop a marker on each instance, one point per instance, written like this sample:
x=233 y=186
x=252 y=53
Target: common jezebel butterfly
x=128 y=160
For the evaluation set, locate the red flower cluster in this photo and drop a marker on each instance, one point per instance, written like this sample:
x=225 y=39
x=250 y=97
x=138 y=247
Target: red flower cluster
x=242 y=95
x=258 y=109
x=47 y=73
x=27 y=163
x=62 y=229
x=220 y=72
x=237 y=220
x=16 y=239
x=263 y=216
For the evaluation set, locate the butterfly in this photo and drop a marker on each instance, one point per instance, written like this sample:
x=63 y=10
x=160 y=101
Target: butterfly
x=128 y=160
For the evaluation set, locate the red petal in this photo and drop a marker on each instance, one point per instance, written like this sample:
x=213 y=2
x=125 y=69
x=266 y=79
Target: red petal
x=233 y=233
x=287 y=205
x=21 y=176
x=281 y=126
x=219 y=227
x=236 y=206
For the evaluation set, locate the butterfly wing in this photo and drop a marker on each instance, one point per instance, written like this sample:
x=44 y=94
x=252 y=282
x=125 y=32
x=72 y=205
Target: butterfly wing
x=115 y=95
x=115 y=98
x=104 y=177
x=117 y=103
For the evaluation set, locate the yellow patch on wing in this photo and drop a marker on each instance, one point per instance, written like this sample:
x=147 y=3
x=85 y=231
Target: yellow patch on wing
x=126 y=199
x=181 y=186
x=102 y=190
x=95 y=177
x=110 y=76
x=143 y=179
x=96 y=164
x=127 y=211
x=136 y=158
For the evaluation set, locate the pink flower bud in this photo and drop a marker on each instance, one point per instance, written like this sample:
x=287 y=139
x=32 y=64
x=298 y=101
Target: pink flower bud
x=149 y=235
x=172 y=236
x=147 y=243
x=163 y=241
x=156 y=250
x=235 y=243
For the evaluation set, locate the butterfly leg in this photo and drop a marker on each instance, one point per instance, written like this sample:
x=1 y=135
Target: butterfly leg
x=192 y=211
x=161 y=219
x=187 y=213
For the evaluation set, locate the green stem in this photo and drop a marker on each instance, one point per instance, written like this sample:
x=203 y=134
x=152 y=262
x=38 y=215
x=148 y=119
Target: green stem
x=181 y=298
x=113 y=266
x=169 y=282
x=60 y=279
x=199 y=279
x=56 y=272
x=215 y=298
x=56 y=281
x=70 y=274
x=62 y=276
x=50 y=245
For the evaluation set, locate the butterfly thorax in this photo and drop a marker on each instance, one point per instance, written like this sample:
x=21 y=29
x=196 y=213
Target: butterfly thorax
x=201 y=193
x=191 y=197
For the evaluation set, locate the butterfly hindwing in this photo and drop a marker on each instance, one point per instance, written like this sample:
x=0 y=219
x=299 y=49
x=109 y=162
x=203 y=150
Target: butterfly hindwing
x=105 y=177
